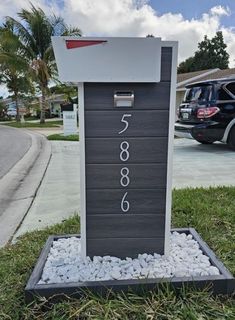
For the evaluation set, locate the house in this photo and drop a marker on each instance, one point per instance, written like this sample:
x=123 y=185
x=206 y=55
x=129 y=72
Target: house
x=54 y=104
x=190 y=77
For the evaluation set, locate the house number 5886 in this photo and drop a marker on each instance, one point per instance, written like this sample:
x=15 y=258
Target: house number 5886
x=124 y=156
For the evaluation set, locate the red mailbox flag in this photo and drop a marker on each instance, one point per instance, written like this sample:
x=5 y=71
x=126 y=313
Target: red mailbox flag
x=71 y=44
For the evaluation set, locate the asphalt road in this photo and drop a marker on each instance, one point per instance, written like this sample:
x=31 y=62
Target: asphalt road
x=13 y=145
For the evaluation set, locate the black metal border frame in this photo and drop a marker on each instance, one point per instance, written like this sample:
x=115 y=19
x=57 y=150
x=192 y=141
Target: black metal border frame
x=219 y=284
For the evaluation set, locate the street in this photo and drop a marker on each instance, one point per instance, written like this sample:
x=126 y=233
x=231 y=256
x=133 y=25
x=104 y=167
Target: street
x=23 y=161
x=13 y=145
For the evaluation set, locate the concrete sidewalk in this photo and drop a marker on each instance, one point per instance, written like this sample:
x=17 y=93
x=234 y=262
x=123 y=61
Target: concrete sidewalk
x=59 y=194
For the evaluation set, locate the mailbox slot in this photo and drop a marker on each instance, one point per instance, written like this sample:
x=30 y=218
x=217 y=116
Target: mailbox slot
x=124 y=99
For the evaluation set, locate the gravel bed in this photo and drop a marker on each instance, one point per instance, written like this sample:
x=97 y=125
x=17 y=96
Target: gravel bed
x=64 y=263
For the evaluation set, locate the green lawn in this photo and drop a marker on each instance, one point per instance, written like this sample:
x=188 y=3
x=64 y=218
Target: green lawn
x=210 y=211
x=71 y=137
x=47 y=124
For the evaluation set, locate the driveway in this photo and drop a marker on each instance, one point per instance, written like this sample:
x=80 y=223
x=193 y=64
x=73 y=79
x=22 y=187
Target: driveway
x=197 y=165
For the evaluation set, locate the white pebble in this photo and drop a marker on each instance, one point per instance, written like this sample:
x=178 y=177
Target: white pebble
x=213 y=271
x=65 y=264
x=115 y=275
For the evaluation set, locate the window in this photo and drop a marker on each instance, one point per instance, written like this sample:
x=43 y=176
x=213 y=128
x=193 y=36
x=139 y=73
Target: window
x=223 y=95
x=200 y=94
x=231 y=87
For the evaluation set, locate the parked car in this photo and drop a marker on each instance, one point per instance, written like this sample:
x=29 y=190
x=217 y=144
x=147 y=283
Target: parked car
x=11 y=112
x=207 y=113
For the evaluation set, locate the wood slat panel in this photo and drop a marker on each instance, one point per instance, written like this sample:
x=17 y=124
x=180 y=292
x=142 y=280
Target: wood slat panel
x=124 y=247
x=100 y=96
x=107 y=150
x=106 y=201
x=141 y=124
x=125 y=226
x=145 y=176
x=166 y=63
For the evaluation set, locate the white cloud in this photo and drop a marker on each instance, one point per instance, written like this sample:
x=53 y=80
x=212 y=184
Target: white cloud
x=138 y=18
x=12 y=7
x=220 y=11
x=134 y=18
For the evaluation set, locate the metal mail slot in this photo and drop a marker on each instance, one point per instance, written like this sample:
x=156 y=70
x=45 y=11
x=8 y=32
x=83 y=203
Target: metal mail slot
x=124 y=98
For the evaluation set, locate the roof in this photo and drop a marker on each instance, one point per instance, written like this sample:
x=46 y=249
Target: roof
x=187 y=76
x=56 y=98
x=212 y=81
x=204 y=75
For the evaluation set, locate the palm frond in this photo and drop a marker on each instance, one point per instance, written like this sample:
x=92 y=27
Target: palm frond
x=58 y=25
x=12 y=61
x=72 y=31
x=24 y=35
x=26 y=52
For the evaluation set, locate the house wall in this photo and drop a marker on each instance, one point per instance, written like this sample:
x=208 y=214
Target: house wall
x=55 y=108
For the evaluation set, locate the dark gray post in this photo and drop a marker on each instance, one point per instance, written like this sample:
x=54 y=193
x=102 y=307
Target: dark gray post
x=126 y=151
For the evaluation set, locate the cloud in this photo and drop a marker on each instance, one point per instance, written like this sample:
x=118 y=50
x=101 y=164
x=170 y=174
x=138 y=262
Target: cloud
x=12 y=7
x=138 y=18
x=133 y=18
x=220 y=11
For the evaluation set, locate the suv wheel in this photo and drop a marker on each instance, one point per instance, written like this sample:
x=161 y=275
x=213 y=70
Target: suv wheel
x=231 y=138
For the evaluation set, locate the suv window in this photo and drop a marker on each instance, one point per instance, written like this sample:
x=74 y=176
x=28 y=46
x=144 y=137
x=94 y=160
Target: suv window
x=231 y=87
x=200 y=93
x=223 y=95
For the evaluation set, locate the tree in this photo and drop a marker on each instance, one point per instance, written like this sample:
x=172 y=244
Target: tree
x=210 y=54
x=34 y=32
x=2 y=110
x=68 y=91
x=13 y=69
x=186 y=66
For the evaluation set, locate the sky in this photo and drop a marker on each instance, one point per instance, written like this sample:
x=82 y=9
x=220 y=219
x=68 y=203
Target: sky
x=184 y=20
x=194 y=9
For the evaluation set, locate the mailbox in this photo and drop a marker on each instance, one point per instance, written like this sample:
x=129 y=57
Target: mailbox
x=126 y=120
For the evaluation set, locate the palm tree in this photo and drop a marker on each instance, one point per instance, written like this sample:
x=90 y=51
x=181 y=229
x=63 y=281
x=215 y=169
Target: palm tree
x=34 y=32
x=13 y=69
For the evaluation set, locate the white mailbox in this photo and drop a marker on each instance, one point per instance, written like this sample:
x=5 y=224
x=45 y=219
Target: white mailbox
x=108 y=59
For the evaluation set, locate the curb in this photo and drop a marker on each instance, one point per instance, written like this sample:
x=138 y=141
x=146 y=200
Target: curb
x=20 y=184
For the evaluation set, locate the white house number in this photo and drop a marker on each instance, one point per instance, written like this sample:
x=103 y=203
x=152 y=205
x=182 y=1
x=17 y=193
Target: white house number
x=124 y=156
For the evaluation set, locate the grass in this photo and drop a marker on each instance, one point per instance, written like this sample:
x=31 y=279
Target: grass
x=71 y=137
x=210 y=211
x=26 y=124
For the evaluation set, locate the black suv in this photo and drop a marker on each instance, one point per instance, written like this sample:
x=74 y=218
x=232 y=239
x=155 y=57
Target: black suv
x=207 y=113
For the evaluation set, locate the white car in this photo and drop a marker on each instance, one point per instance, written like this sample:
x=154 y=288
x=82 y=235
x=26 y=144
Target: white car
x=11 y=112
